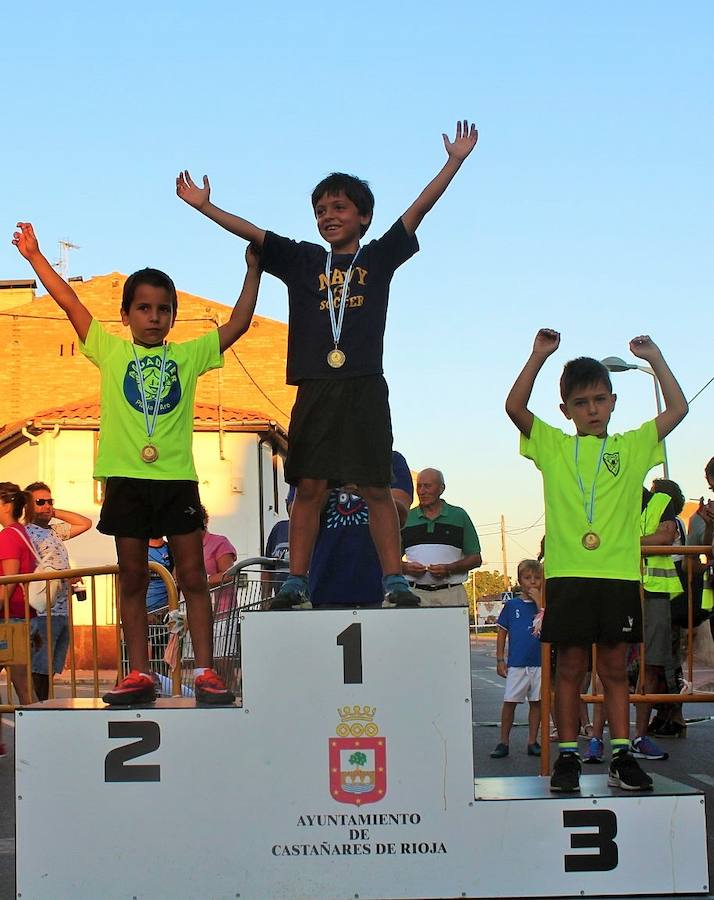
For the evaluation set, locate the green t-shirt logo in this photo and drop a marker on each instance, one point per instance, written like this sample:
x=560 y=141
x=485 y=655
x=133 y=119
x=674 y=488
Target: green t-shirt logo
x=612 y=461
x=150 y=371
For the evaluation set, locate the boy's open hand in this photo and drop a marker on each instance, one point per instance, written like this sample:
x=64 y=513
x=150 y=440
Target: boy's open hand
x=501 y=669
x=546 y=341
x=25 y=240
x=463 y=143
x=644 y=347
x=190 y=192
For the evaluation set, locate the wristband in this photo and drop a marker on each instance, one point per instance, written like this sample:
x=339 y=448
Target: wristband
x=500 y=659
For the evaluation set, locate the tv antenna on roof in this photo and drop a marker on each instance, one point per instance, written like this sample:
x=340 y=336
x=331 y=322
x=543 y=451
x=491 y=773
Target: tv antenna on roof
x=62 y=264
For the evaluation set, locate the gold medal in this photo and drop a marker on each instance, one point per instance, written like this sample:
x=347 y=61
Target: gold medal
x=149 y=453
x=336 y=358
x=591 y=541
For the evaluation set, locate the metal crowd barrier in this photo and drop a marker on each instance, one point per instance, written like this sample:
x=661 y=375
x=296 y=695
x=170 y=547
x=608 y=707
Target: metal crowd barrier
x=15 y=640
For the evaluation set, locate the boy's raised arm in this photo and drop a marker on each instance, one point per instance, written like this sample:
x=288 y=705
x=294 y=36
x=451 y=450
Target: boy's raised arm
x=245 y=304
x=56 y=286
x=676 y=406
x=200 y=198
x=457 y=150
x=545 y=343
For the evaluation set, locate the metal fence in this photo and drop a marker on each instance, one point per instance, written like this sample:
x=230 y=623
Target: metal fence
x=101 y=586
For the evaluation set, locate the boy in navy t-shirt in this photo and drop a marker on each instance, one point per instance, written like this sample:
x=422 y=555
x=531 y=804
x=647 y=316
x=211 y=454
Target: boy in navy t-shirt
x=522 y=673
x=340 y=427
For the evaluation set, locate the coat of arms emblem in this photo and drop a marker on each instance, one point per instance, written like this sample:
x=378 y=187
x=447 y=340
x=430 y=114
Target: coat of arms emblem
x=358 y=757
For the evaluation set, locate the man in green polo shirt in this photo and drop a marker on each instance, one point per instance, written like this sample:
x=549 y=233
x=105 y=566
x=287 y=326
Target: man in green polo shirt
x=440 y=545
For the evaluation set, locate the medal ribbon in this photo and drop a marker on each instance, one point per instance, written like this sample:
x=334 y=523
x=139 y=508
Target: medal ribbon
x=336 y=322
x=588 y=508
x=150 y=425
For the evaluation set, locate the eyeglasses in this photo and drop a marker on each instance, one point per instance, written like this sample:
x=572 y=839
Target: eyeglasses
x=41 y=502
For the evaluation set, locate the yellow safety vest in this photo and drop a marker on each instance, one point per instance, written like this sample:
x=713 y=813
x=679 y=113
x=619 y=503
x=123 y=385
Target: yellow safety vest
x=659 y=575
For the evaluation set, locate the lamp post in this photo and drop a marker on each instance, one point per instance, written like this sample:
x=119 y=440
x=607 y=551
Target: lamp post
x=615 y=364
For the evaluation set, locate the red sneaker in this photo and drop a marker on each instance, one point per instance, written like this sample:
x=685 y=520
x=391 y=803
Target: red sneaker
x=211 y=688
x=134 y=688
x=3 y=750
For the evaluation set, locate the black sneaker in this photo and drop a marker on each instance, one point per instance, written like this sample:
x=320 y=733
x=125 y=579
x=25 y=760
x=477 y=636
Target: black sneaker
x=566 y=773
x=290 y=599
x=402 y=598
x=626 y=773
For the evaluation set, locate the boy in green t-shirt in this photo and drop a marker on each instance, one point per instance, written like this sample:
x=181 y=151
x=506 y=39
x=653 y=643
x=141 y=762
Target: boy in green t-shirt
x=147 y=394
x=592 y=484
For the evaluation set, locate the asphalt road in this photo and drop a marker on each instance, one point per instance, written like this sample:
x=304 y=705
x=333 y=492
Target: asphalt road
x=690 y=759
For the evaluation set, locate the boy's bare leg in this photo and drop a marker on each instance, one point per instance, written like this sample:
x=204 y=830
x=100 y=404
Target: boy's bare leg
x=310 y=497
x=572 y=666
x=384 y=528
x=612 y=670
x=187 y=551
x=133 y=559
x=507 y=715
x=533 y=721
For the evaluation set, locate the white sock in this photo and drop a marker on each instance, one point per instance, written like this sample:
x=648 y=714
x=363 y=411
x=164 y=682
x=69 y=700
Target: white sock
x=200 y=671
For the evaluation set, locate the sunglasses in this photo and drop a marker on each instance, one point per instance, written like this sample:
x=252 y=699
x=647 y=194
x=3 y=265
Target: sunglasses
x=43 y=501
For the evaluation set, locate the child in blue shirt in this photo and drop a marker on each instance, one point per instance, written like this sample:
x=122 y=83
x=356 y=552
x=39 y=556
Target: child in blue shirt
x=522 y=673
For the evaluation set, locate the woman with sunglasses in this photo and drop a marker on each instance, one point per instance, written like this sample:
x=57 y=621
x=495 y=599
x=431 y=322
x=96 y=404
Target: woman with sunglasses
x=16 y=558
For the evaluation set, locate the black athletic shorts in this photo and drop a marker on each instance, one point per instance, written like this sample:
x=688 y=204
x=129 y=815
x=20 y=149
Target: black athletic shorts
x=341 y=431
x=584 y=611
x=142 y=508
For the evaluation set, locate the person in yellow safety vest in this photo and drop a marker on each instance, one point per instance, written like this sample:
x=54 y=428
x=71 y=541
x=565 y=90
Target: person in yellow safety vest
x=660 y=582
x=668 y=720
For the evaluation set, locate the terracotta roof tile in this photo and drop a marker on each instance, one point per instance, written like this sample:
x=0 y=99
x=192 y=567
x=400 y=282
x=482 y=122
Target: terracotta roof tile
x=85 y=413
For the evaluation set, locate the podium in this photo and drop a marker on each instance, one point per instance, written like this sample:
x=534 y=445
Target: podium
x=347 y=774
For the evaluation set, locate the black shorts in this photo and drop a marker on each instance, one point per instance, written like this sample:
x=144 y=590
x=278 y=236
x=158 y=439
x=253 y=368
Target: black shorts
x=584 y=611
x=341 y=431
x=142 y=508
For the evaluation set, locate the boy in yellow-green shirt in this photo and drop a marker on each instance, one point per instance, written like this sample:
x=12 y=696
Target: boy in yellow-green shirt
x=592 y=484
x=145 y=458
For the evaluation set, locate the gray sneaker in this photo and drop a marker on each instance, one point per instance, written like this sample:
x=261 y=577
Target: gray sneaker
x=402 y=598
x=290 y=599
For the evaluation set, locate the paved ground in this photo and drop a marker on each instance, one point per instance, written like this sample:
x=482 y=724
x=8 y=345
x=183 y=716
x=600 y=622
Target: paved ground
x=690 y=760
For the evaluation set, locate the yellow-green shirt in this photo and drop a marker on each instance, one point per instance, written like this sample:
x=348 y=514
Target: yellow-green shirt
x=122 y=430
x=626 y=461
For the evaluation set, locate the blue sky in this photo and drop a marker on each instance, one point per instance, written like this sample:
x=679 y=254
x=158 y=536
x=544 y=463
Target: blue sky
x=586 y=206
